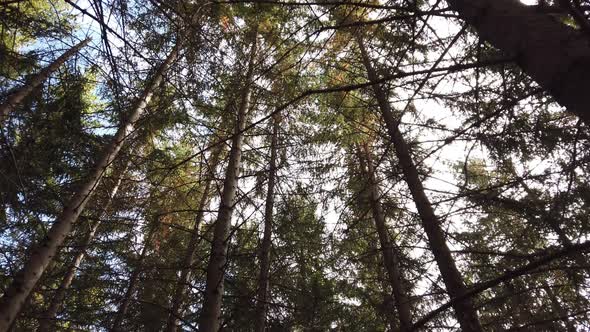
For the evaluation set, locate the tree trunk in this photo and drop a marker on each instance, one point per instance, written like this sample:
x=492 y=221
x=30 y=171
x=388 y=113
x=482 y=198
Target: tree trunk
x=263 y=279
x=133 y=279
x=209 y=320
x=464 y=310
x=25 y=280
x=17 y=96
x=189 y=260
x=555 y=55
x=47 y=321
x=390 y=254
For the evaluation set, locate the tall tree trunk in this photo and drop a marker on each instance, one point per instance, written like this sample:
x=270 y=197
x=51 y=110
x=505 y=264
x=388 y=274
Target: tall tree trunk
x=390 y=254
x=47 y=321
x=43 y=253
x=17 y=96
x=133 y=279
x=464 y=310
x=263 y=278
x=209 y=320
x=555 y=55
x=189 y=259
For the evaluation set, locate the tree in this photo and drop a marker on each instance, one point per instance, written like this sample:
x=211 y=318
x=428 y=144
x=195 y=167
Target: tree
x=215 y=270
x=47 y=322
x=21 y=93
x=391 y=257
x=263 y=279
x=545 y=48
x=189 y=259
x=390 y=165
x=24 y=282
x=465 y=311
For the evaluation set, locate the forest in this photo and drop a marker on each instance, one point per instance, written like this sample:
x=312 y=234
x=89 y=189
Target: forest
x=295 y=165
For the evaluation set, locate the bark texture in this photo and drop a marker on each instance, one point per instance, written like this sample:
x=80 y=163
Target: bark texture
x=464 y=310
x=44 y=252
x=555 y=55
x=263 y=278
x=17 y=96
x=209 y=321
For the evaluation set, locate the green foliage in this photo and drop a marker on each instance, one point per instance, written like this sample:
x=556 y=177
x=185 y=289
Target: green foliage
x=505 y=169
x=43 y=19
x=301 y=279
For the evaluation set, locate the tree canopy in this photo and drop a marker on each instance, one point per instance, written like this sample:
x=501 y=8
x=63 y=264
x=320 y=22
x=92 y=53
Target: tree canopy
x=295 y=165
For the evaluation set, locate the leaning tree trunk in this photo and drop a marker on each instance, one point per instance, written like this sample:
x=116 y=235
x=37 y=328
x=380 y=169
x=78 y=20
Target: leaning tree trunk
x=390 y=254
x=211 y=312
x=44 y=252
x=263 y=279
x=464 y=310
x=17 y=96
x=189 y=259
x=555 y=55
x=47 y=321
